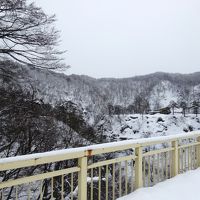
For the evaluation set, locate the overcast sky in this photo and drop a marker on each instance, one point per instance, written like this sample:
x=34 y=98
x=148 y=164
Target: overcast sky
x=123 y=38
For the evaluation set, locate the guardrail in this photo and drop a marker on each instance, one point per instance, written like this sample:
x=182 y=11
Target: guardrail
x=104 y=171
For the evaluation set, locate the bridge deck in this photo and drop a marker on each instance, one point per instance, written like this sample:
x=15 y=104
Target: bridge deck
x=181 y=187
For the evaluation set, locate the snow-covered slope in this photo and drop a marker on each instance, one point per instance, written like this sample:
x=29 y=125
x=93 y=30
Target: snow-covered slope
x=136 y=126
x=163 y=93
x=94 y=95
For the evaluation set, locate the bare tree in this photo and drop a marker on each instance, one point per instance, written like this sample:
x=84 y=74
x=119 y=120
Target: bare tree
x=183 y=105
x=173 y=105
x=195 y=106
x=141 y=104
x=28 y=35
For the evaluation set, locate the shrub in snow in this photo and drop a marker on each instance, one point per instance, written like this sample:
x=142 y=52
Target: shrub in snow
x=160 y=119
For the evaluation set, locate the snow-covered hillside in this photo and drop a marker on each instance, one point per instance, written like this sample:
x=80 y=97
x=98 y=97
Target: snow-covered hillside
x=136 y=126
x=94 y=95
x=102 y=102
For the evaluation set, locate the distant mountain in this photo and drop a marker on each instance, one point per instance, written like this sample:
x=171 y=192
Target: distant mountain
x=94 y=95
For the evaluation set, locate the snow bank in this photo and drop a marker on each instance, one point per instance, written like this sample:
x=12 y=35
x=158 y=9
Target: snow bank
x=136 y=126
x=181 y=187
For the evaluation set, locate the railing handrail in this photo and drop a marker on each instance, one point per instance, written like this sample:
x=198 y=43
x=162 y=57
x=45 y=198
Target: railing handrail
x=179 y=155
x=74 y=153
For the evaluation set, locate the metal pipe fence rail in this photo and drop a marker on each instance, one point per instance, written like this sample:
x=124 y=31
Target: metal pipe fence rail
x=104 y=171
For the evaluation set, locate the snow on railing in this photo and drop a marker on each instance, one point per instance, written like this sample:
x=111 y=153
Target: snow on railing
x=104 y=171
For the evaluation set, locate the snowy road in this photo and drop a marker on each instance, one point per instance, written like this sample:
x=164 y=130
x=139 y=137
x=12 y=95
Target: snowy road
x=181 y=187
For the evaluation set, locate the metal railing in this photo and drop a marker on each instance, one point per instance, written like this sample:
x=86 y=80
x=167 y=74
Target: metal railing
x=104 y=171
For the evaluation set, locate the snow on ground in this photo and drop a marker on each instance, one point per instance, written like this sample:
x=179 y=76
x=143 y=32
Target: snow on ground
x=136 y=126
x=181 y=187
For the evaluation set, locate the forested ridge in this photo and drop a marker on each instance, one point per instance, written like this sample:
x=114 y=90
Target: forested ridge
x=42 y=105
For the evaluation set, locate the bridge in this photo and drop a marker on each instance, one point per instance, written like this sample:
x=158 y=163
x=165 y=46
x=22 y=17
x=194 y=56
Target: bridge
x=104 y=171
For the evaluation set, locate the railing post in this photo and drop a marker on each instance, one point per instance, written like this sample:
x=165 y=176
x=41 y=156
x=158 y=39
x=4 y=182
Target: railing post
x=138 y=168
x=198 y=152
x=175 y=158
x=82 y=178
